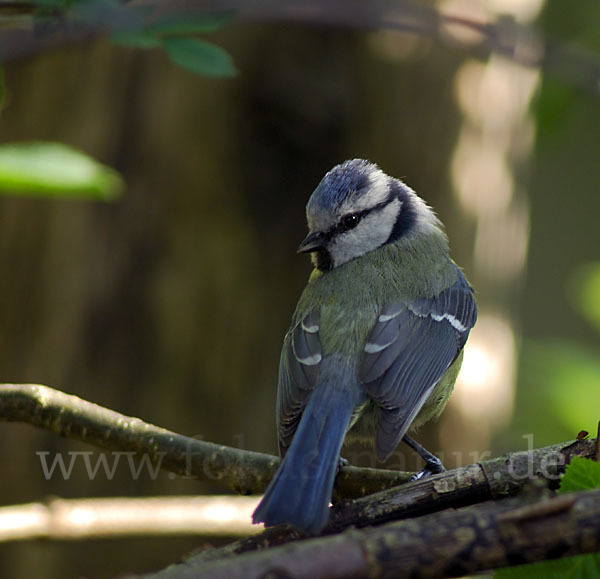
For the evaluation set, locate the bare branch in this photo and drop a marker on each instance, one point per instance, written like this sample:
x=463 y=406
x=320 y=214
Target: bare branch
x=426 y=546
x=249 y=472
x=59 y=519
x=498 y=478
x=449 y=544
x=243 y=471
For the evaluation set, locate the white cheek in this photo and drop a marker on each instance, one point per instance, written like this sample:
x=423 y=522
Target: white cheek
x=373 y=231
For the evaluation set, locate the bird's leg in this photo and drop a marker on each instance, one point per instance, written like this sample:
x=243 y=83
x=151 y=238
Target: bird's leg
x=433 y=465
x=342 y=462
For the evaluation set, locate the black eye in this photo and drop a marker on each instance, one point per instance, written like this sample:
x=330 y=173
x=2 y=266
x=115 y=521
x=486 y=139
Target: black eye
x=350 y=221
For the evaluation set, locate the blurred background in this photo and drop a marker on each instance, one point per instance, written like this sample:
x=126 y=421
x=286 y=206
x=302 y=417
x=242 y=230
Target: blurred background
x=171 y=303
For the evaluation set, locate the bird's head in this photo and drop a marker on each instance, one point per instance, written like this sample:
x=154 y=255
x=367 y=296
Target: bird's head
x=357 y=208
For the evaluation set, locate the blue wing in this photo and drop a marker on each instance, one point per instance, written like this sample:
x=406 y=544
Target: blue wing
x=298 y=369
x=408 y=351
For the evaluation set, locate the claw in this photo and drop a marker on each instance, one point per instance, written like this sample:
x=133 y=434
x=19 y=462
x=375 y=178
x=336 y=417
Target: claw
x=433 y=465
x=343 y=462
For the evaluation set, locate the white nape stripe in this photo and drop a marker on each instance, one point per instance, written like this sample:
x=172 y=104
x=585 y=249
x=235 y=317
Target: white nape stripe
x=310 y=360
x=378 y=191
x=379 y=186
x=426 y=215
x=456 y=324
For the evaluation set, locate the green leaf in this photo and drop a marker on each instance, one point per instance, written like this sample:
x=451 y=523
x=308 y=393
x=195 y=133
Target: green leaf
x=139 y=39
x=581 y=474
x=199 y=56
x=55 y=170
x=579 y=567
x=189 y=23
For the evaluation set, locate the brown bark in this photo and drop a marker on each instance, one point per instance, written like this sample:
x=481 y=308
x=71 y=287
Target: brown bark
x=449 y=544
x=473 y=538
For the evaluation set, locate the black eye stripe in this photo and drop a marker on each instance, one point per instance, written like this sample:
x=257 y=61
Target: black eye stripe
x=342 y=226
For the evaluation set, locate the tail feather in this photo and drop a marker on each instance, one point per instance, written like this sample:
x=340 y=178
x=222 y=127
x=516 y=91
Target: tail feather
x=301 y=489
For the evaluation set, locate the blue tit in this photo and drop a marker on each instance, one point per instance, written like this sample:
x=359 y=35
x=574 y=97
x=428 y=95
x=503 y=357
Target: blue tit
x=377 y=336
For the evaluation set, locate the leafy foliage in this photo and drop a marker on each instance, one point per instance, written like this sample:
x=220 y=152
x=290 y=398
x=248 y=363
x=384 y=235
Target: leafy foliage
x=199 y=56
x=579 y=567
x=581 y=474
x=55 y=170
x=177 y=35
x=190 y=23
x=137 y=26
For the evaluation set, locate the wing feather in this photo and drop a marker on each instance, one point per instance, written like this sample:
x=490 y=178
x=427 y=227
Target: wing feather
x=298 y=371
x=407 y=354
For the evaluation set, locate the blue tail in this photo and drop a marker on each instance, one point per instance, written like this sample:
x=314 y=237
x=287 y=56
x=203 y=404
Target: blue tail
x=300 y=491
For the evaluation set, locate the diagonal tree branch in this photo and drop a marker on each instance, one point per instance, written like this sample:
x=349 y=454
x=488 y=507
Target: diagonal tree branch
x=243 y=471
x=497 y=479
x=490 y=479
x=249 y=472
x=449 y=544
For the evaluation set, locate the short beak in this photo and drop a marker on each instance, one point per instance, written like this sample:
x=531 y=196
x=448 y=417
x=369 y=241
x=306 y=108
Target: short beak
x=313 y=241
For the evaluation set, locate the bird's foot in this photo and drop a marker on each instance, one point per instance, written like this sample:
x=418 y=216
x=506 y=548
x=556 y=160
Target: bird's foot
x=343 y=462
x=433 y=466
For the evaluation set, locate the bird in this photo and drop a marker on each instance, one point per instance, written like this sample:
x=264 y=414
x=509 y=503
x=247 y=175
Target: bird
x=376 y=341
